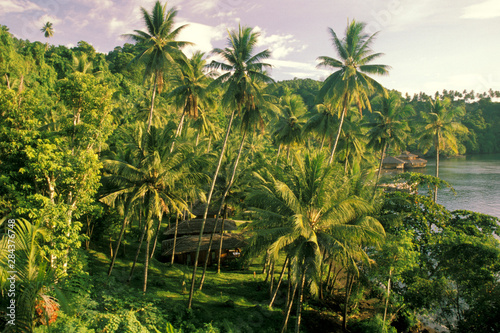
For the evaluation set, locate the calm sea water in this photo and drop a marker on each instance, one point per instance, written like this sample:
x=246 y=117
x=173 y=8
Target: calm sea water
x=476 y=179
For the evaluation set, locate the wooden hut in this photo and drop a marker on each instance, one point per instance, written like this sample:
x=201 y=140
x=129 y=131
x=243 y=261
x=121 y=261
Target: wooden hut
x=412 y=161
x=392 y=163
x=192 y=227
x=185 y=248
x=188 y=233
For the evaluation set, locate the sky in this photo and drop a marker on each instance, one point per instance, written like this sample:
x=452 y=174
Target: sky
x=430 y=45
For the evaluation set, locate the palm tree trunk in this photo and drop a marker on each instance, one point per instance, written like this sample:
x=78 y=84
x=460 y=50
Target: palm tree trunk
x=146 y=260
x=279 y=282
x=348 y=287
x=289 y=309
x=299 y=303
x=271 y=280
x=380 y=167
x=156 y=239
x=437 y=170
x=220 y=241
x=322 y=142
x=122 y=231
x=152 y=102
x=278 y=154
x=222 y=205
x=288 y=153
x=209 y=199
x=209 y=143
x=137 y=253
x=175 y=237
x=330 y=160
x=179 y=130
x=387 y=299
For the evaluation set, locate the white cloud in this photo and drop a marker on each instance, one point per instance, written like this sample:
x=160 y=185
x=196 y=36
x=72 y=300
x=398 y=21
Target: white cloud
x=202 y=36
x=17 y=6
x=484 y=10
x=279 y=45
x=298 y=69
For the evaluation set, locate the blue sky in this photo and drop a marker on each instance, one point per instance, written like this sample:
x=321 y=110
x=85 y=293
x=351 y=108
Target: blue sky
x=430 y=45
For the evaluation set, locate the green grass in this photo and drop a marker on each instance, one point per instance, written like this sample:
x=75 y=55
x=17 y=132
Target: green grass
x=232 y=301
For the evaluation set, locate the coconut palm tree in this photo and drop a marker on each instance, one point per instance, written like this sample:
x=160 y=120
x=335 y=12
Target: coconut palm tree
x=321 y=121
x=351 y=83
x=242 y=83
x=440 y=129
x=190 y=92
x=352 y=142
x=48 y=31
x=158 y=48
x=388 y=127
x=288 y=129
x=305 y=211
x=147 y=174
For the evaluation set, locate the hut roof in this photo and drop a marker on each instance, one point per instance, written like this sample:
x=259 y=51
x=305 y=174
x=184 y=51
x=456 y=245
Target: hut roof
x=199 y=209
x=417 y=161
x=192 y=227
x=187 y=244
x=392 y=160
x=406 y=155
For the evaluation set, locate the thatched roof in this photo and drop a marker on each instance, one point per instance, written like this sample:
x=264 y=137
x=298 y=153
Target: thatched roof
x=415 y=163
x=406 y=155
x=392 y=160
x=192 y=227
x=187 y=244
x=199 y=209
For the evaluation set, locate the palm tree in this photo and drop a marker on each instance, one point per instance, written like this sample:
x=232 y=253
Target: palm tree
x=387 y=127
x=48 y=31
x=158 y=47
x=244 y=74
x=307 y=210
x=352 y=142
x=190 y=91
x=289 y=127
x=147 y=174
x=440 y=129
x=351 y=83
x=320 y=121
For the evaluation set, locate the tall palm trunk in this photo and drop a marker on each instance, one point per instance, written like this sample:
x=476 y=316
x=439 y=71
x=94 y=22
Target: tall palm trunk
x=330 y=160
x=146 y=259
x=299 y=303
x=278 y=154
x=235 y=167
x=156 y=238
x=178 y=131
x=150 y=119
x=382 y=153
x=175 y=238
x=387 y=298
x=279 y=282
x=348 y=287
x=137 y=253
x=322 y=142
x=221 y=239
x=289 y=309
x=437 y=167
x=209 y=199
x=122 y=231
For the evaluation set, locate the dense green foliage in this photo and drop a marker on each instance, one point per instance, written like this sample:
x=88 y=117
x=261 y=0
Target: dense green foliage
x=101 y=153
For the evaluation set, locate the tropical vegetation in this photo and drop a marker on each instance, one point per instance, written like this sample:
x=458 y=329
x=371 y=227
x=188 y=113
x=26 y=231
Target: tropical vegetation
x=101 y=154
